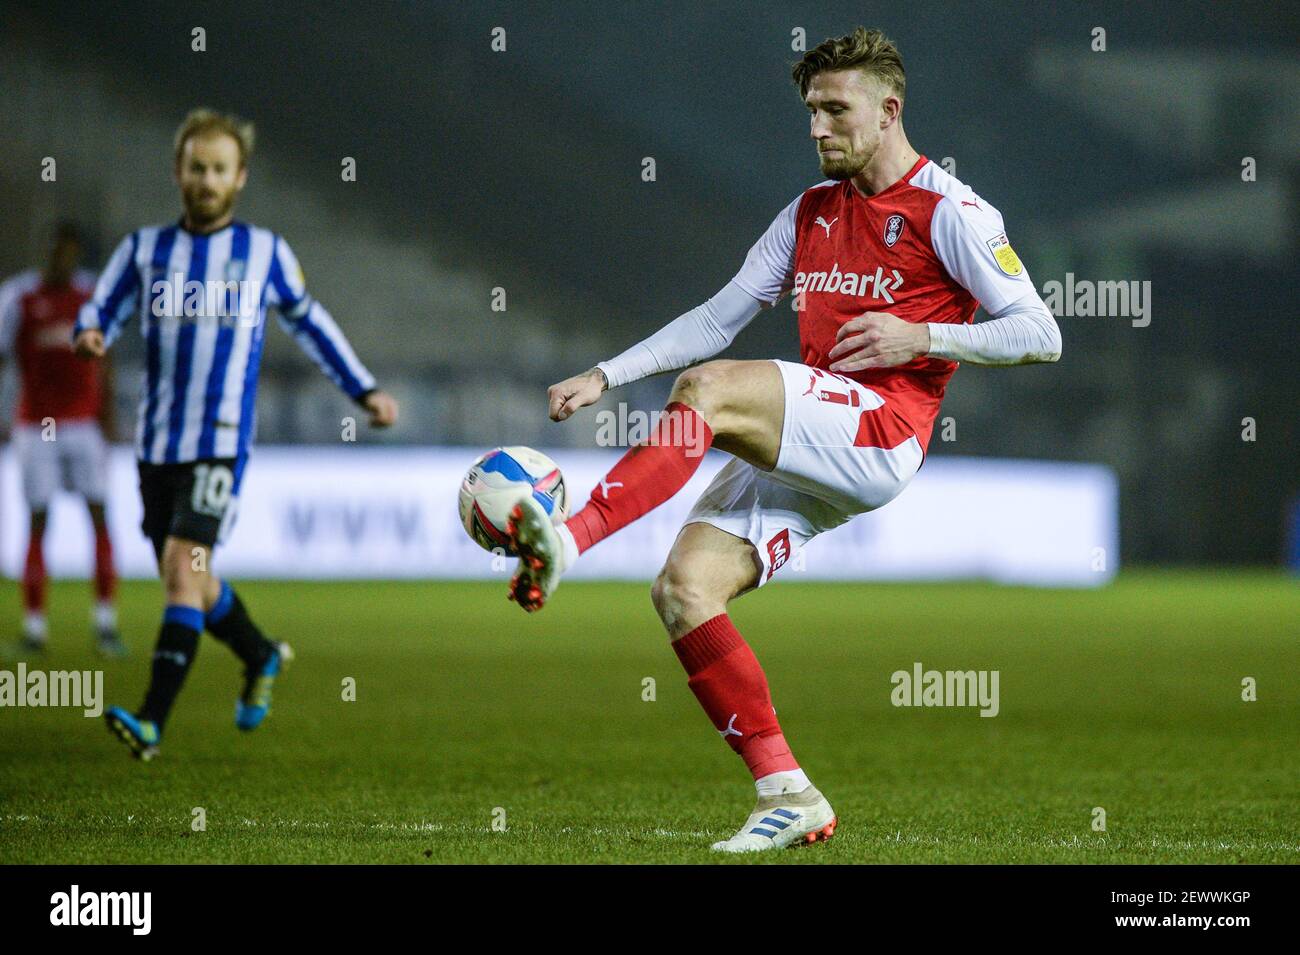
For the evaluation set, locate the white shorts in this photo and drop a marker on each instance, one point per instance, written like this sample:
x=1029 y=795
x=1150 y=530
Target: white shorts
x=844 y=451
x=76 y=460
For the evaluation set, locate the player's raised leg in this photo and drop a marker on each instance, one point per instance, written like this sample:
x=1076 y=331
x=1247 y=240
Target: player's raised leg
x=736 y=406
x=706 y=569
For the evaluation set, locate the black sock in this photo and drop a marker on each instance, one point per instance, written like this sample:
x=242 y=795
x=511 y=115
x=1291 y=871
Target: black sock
x=178 y=642
x=229 y=622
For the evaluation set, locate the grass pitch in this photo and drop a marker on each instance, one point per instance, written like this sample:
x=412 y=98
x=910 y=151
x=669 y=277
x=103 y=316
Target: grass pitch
x=468 y=711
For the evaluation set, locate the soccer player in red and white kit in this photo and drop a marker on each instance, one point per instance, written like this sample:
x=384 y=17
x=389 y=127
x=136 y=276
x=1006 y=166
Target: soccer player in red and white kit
x=58 y=430
x=887 y=261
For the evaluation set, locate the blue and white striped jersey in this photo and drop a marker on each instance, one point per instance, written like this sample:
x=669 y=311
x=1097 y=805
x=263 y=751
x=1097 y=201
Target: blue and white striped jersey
x=202 y=302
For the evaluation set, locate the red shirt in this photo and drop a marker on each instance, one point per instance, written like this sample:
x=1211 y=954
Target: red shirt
x=37 y=320
x=926 y=249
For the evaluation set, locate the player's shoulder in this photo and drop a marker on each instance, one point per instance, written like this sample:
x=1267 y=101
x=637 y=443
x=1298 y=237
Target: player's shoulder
x=826 y=189
x=258 y=231
x=146 y=236
x=20 y=283
x=793 y=215
x=820 y=187
x=953 y=198
x=263 y=238
x=151 y=231
x=811 y=201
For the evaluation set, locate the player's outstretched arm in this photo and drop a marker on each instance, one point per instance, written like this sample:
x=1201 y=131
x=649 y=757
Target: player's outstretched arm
x=699 y=334
x=116 y=296
x=319 y=336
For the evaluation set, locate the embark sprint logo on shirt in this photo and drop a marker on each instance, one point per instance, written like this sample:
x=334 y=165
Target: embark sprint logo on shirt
x=134 y=909
x=232 y=299
x=879 y=284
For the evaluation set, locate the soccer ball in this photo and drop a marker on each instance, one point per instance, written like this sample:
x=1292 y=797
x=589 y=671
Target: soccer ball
x=497 y=481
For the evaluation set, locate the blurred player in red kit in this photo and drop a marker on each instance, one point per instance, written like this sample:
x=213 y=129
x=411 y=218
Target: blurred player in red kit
x=63 y=411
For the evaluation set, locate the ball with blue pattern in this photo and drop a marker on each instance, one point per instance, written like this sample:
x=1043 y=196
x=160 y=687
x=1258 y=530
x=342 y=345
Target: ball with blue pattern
x=496 y=482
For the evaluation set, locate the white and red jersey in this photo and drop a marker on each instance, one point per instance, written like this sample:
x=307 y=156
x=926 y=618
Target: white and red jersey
x=36 y=324
x=926 y=249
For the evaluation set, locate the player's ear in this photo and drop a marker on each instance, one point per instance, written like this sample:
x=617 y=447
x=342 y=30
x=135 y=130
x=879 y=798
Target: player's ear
x=890 y=109
x=242 y=177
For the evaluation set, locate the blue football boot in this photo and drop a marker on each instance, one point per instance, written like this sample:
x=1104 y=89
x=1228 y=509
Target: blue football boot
x=142 y=736
x=255 y=702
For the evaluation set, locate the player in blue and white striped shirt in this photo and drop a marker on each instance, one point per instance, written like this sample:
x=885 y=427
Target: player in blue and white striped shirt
x=201 y=289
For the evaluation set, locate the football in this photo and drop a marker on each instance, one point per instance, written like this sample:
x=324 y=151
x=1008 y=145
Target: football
x=497 y=481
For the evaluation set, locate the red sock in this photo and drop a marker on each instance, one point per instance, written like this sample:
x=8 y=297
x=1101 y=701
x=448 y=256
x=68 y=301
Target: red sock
x=105 y=574
x=727 y=680
x=645 y=477
x=34 y=577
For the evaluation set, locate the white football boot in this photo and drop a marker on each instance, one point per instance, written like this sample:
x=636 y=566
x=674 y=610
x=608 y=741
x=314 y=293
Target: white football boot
x=785 y=820
x=541 y=554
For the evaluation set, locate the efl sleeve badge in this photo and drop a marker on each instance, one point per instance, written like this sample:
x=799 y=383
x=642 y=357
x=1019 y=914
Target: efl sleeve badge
x=1005 y=256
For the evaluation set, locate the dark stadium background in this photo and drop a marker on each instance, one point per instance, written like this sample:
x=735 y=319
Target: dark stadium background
x=522 y=170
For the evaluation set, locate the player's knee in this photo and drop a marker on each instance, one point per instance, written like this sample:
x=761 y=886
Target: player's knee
x=676 y=594
x=184 y=572
x=702 y=387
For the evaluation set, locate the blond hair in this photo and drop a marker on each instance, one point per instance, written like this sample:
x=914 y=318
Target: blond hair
x=867 y=50
x=204 y=122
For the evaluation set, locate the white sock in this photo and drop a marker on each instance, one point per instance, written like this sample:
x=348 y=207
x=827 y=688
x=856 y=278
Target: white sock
x=569 y=545
x=35 y=626
x=105 y=615
x=777 y=784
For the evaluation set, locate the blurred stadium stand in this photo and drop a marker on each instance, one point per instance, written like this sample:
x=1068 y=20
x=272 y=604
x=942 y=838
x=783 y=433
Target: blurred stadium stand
x=522 y=170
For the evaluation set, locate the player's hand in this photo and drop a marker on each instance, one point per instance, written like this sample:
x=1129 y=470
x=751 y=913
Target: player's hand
x=576 y=392
x=878 y=340
x=90 y=344
x=383 y=409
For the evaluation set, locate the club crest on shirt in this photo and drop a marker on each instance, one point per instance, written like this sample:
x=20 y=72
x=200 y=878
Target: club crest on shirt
x=1004 y=255
x=893 y=230
x=235 y=270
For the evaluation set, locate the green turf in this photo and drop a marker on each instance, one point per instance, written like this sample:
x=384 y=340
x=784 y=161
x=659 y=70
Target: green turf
x=1127 y=698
